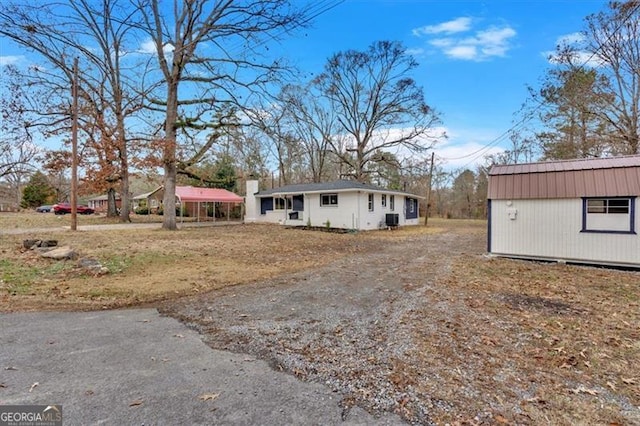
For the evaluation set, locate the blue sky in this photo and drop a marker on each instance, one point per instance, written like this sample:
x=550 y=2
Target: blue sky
x=476 y=57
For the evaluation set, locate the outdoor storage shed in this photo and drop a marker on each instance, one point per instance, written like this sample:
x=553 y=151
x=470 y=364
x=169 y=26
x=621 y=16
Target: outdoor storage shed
x=581 y=211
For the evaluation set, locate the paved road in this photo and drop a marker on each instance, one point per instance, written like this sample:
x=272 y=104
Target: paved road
x=137 y=367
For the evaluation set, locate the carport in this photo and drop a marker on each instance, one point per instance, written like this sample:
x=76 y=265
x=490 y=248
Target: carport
x=197 y=201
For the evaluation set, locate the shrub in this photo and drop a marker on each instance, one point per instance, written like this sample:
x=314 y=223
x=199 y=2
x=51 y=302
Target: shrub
x=141 y=210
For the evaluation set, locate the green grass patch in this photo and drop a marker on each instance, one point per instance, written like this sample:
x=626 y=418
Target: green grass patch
x=19 y=279
x=117 y=264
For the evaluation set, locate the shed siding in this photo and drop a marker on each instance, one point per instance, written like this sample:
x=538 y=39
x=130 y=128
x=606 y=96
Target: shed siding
x=551 y=229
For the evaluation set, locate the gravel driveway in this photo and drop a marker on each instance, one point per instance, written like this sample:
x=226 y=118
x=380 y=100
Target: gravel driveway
x=347 y=325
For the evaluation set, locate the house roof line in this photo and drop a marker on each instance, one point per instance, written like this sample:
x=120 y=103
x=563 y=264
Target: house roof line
x=329 y=187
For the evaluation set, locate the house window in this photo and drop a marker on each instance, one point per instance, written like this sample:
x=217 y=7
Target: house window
x=328 y=200
x=610 y=215
x=370 y=202
x=282 y=203
x=392 y=202
x=384 y=200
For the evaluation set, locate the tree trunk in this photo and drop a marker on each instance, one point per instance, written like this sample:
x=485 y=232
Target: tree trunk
x=169 y=199
x=169 y=158
x=125 y=203
x=111 y=203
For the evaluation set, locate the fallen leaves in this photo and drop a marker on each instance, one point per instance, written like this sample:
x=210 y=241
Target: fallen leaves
x=33 y=386
x=136 y=402
x=583 y=389
x=208 y=396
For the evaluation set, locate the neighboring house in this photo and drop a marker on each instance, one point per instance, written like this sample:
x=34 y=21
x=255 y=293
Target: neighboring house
x=581 y=211
x=341 y=204
x=200 y=203
x=101 y=204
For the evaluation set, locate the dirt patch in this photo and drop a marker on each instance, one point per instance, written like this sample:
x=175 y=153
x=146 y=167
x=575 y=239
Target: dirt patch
x=427 y=327
x=551 y=306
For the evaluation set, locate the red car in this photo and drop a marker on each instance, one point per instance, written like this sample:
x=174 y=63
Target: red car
x=64 y=208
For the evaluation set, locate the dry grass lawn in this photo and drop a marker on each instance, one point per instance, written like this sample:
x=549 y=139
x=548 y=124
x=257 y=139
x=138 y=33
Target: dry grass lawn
x=535 y=343
x=529 y=343
x=147 y=265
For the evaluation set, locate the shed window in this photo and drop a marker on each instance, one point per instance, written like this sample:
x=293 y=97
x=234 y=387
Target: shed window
x=392 y=202
x=608 y=206
x=384 y=200
x=609 y=215
x=328 y=200
x=370 y=202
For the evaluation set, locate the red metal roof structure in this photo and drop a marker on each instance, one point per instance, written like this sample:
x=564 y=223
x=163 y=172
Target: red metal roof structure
x=592 y=177
x=192 y=194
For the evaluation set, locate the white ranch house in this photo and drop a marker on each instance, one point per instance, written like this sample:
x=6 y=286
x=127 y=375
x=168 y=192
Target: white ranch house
x=340 y=204
x=581 y=211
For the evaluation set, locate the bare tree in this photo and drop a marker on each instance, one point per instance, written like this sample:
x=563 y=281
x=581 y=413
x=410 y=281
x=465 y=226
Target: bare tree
x=210 y=62
x=97 y=34
x=17 y=150
x=283 y=144
x=312 y=124
x=377 y=104
x=613 y=38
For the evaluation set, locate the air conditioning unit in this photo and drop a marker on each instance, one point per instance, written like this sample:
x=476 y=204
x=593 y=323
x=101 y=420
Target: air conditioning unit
x=392 y=219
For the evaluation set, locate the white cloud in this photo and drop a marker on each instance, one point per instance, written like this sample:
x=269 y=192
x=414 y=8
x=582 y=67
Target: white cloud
x=10 y=60
x=466 y=148
x=462 y=52
x=457 y=25
x=148 y=47
x=415 y=52
x=570 y=39
x=483 y=44
x=580 y=57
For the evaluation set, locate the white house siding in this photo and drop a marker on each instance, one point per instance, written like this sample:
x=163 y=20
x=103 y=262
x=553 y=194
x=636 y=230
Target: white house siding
x=550 y=229
x=344 y=215
x=352 y=212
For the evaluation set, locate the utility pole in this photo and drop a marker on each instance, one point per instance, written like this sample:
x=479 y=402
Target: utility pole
x=74 y=149
x=426 y=214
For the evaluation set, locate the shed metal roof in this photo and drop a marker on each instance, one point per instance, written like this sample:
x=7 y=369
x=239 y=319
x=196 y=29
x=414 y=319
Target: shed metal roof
x=593 y=177
x=336 y=186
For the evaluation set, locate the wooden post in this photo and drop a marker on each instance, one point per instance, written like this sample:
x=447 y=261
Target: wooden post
x=426 y=213
x=74 y=148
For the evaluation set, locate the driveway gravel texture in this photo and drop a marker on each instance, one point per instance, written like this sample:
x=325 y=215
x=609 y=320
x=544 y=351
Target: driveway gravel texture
x=348 y=325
